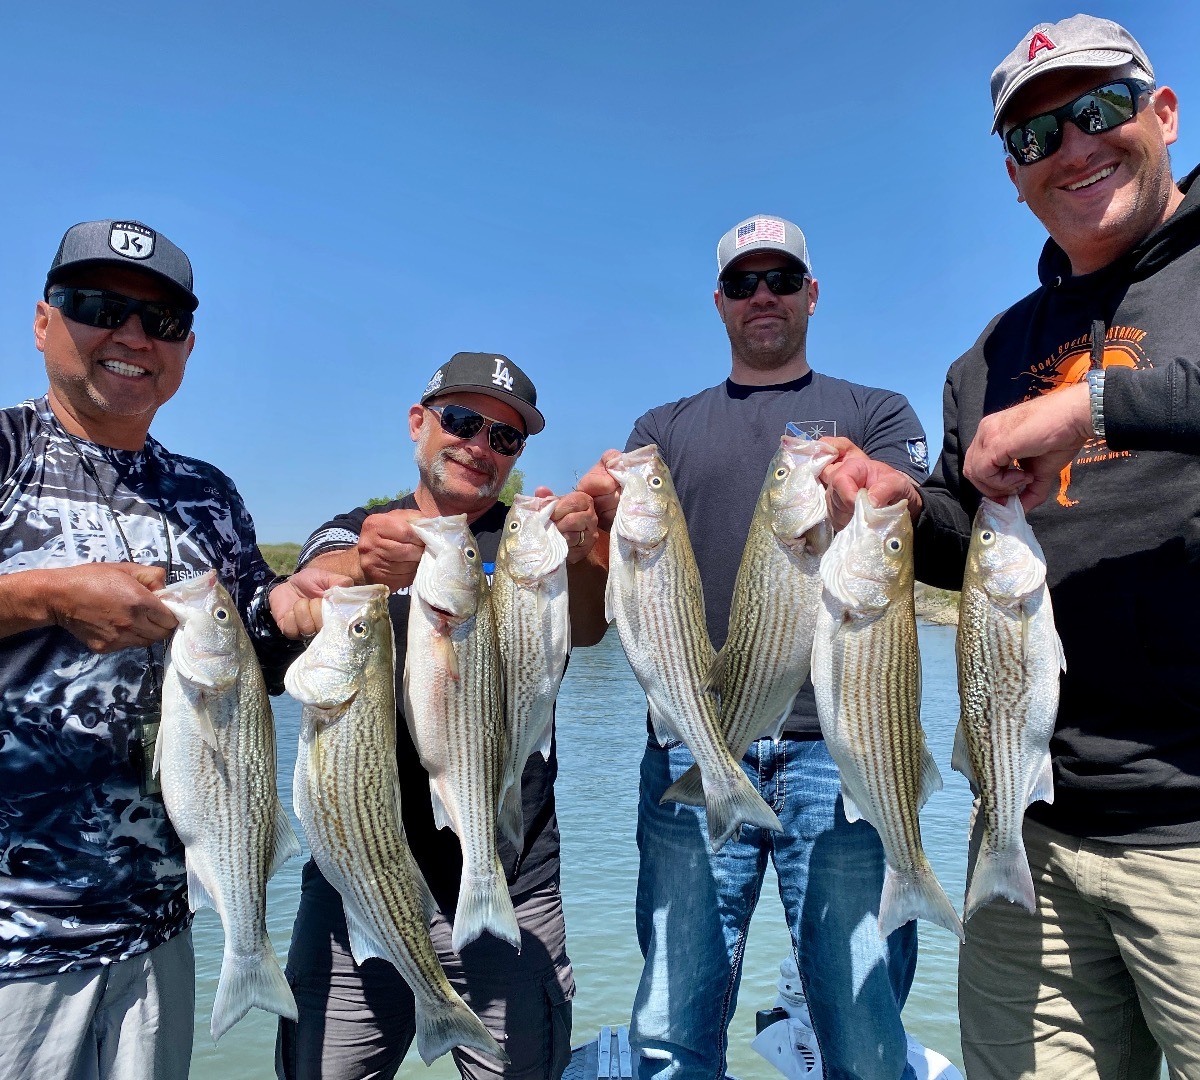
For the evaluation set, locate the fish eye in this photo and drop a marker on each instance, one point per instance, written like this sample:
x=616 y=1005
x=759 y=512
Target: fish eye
x=359 y=628
x=895 y=545
x=470 y=553
x=220 y=614
x=780 y=473
x=656 y=481
x=514 y=526
x=987 y=537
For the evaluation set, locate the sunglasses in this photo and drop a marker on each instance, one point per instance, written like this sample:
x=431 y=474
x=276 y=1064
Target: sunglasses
x=1102 y=109
x=108 y=310
x=464 y=423
x=742 y=284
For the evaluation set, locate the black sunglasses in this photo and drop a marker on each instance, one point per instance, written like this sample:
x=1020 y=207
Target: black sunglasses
x=464 y=423
x=742 y=284
x=1102 y=109
x=108 y=310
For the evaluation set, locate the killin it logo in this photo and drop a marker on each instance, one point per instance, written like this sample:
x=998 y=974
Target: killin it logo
x=1038 y=42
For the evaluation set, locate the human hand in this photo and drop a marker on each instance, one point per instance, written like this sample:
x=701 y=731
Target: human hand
x=296 y=603
x=575 y=517
x=605 y=492
x=1043 y=435
x=389 y=550
x=110 y=606
x=853 y=470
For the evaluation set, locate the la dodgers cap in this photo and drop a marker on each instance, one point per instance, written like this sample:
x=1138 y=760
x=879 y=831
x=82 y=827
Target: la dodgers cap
x=1082 y=41
x=762 y=233
x=491 y=374
x=123 y=243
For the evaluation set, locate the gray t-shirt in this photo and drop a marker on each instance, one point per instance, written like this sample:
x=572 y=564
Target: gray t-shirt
x=718 y=445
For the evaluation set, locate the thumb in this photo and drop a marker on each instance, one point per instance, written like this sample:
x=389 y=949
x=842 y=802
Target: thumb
x=542 y=492
x=151 y=577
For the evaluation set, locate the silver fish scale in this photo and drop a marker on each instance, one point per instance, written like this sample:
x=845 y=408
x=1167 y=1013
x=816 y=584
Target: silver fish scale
x=347 y=795
x=534 y=632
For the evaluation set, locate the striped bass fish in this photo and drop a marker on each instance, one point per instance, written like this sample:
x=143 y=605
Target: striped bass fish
x=867 y=674
x=1009 y=657
x=347 y=796
x=454 y=701
x=529 y=598
x=215 y=755
x=655 y=596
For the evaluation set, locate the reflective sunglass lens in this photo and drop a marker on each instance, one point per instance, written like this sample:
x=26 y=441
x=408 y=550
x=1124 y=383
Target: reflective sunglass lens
x=1104 y=108
x=460 y=421
x=785 y=282
x=739 y=286
x=108 y=311
x=506 y=440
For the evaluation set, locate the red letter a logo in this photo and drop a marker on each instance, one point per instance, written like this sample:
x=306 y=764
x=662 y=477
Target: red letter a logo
x=1038 y=42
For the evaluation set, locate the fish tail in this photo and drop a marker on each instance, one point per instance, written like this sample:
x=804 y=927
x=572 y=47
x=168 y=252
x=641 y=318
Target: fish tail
x=247 y=982
x=455 y=1025
x=1001 y=874
x=915 y=894
x=688 y=789
x=737 y=805
x=484 y=904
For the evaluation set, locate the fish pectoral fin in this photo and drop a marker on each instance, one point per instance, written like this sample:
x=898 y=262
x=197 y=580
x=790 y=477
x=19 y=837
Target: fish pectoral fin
x=205 y=729
x=156 y=764
x=285 y=843
x=199 y=893
x=364 y=943
x=543 y=746
x=715 y=678
x=664 y=727
x=688 y=789
x=850 y=807
x=1062 y=656
x=960 y=756
x=931 y=778
x=1043 y=786
x=443 y=647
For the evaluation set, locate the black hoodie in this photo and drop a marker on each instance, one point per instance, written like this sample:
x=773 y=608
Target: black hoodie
x=1122 y=537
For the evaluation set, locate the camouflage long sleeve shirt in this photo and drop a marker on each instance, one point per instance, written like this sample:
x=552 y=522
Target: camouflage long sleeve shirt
x=91 y=871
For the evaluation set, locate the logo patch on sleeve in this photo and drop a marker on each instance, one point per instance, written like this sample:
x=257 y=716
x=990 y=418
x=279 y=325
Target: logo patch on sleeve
x=132 y=240
x=918 y=453
x=811 y=429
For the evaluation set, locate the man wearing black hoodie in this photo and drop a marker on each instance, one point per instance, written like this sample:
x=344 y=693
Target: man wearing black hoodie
x=1104 y=978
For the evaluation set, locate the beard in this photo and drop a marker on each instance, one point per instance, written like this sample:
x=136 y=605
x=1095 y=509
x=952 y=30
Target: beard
x=433 y=469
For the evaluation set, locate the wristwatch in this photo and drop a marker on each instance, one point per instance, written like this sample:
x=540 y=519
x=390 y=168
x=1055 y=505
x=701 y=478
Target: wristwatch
x=1095 y=381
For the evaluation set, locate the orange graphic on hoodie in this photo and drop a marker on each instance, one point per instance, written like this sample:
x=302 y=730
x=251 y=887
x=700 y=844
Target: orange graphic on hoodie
x=1069 y=366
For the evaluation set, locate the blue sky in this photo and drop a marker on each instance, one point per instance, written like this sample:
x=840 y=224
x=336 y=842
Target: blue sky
x=365 y=189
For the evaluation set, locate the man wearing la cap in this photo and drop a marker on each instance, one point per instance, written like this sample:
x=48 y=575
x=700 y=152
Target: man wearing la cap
x=694 y=906
x=1090 y=381
x=355 y=1021
x=96 y=967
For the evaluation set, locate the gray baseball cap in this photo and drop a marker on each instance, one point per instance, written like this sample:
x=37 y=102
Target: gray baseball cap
x=762 y=233
x=1082 y=41
x=123 y=243
x=491 y=374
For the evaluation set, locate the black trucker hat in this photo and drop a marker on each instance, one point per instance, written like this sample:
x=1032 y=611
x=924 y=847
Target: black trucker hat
x=491 y=374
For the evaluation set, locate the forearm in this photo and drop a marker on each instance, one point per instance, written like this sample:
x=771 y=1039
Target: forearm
x=586 y=582
x=1153 y=408
x=26 y=601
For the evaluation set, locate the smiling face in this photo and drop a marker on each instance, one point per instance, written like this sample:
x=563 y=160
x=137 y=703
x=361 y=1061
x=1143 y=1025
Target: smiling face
x=460 y=476
x=767 y=333
x=106 y=385
x=1098 y=195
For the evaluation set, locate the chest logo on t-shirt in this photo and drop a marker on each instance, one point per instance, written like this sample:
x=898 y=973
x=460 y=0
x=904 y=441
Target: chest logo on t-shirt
x=1068 y=365
x=812 y=429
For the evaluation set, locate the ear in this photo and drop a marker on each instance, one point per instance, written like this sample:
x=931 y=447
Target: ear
x=1166 y=108
x=814 y=290
x=1011 y=166
x=717 y=303
x=41 y=321
x=416 y=418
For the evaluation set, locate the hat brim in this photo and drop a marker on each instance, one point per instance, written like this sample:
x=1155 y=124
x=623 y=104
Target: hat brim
x=534 y=420
x=70 y=269
x=774 y=249
x=1084 y=58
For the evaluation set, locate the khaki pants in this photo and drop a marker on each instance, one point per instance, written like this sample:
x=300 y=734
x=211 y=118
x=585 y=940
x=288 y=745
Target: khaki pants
x=1102 y=982
x=131 y=1020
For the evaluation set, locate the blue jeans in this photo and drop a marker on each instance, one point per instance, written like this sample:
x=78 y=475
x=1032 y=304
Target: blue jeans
x=694 y=908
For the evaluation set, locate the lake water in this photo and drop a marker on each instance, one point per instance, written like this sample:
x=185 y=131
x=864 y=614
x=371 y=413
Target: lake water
x=601 y=734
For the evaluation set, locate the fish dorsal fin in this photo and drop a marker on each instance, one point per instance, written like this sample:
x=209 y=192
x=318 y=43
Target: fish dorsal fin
x=931 y=777
x=960 y=756
x=363 y=941
x=284 y=844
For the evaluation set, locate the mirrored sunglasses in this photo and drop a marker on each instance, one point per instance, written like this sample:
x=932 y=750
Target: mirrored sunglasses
x=1099 y=110
x=108 y=310
x=464 y=423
